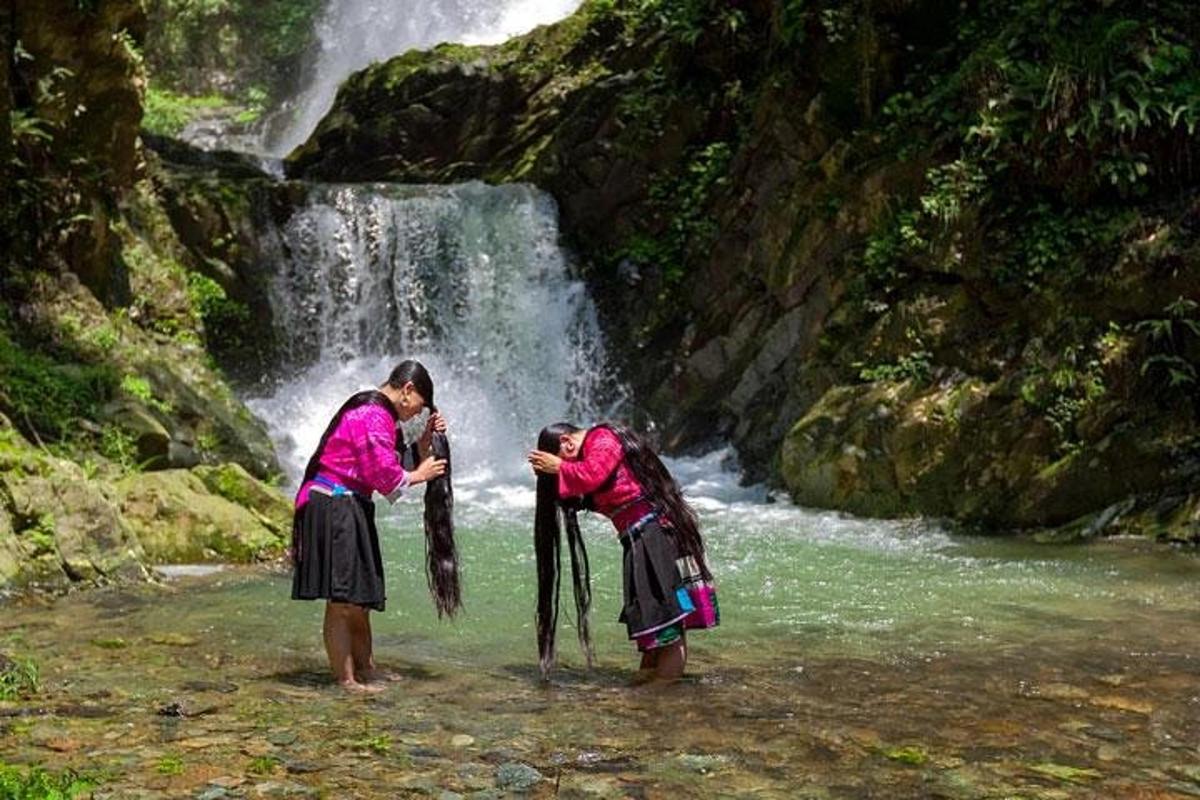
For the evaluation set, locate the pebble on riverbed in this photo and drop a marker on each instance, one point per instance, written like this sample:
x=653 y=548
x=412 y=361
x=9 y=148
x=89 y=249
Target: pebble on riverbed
x=517 y=777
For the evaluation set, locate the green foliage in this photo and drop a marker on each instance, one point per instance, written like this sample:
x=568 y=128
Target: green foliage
x=950 y=187
x=683 y=200
x=213 y=304
x=255 y=43
x=1069 y=92
x=139 y=388
x=1045 y=245
x=1173 y=346
x=886 y=253
x=168 y=113
x=380 y=744
x=119 y=445
x=263 y=765
x=35 y=783
x=915 y=366
x=46 y=397
x=19 y=677
x=40 y=536
x=169 y=765
x=1062 y=388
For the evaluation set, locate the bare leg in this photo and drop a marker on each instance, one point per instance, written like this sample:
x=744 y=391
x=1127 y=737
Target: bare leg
x=672 y=659
x=361 y=648
x=340 y=642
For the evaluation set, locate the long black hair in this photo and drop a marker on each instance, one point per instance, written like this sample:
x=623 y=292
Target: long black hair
x=441 y=555
x=547 y=544
x=660 y=490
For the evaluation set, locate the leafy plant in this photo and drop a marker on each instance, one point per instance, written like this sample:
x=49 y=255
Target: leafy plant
x=167 y=113
x=263 y=765
x=46 y=397
x=119 y=445
x=1063 y=388
x=18 y=678
x=1171 y=338
x=35 y=783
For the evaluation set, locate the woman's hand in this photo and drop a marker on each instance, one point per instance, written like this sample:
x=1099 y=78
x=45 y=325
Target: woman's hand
x=435 y=423
x=427 y=470
x=545 y=463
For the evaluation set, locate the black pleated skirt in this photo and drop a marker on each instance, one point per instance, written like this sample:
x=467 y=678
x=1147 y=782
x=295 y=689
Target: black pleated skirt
x=336 y=551
x=654 y=593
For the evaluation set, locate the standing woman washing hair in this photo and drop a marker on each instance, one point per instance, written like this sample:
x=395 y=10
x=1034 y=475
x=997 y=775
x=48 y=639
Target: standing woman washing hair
x=335 y=545
x=667 y=584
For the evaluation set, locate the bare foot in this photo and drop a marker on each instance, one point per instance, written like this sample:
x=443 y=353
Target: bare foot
x=355 y=687
x=642 y=677
x=382 y=676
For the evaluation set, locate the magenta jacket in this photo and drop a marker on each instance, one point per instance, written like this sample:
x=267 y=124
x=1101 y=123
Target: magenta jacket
x=361 y=455
x=619 y=499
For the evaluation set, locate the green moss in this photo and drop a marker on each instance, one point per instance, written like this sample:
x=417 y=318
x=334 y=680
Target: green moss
x=910 y=754
x=1065 y=773
x=169 y=765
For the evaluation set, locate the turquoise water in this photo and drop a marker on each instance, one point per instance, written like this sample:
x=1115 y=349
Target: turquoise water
x=855 y=659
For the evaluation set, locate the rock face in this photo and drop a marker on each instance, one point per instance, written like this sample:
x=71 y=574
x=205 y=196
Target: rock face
x=56 y=524
x=60 y=526
x=774 y=217
x=84 y=84
x=178 y=519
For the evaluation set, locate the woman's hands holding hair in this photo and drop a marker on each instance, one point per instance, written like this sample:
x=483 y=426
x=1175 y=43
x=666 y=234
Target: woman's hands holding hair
x=543 y=462
x=435 y=423
x=427 y=470
x=430 y=467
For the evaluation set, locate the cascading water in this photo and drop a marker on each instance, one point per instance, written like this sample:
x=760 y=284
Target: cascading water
x=352 y=34
x=469 y=279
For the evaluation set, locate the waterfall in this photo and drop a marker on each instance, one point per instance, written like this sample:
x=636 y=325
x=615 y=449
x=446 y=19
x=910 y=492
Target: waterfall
x=353 y=34
x=467 y=278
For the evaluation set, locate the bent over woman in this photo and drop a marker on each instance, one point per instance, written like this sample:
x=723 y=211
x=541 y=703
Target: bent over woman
x=335 y=545
x=667 y=584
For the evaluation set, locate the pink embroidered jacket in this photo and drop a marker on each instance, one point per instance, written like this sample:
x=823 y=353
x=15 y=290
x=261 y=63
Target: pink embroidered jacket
x=361 y=455
x=621 y=499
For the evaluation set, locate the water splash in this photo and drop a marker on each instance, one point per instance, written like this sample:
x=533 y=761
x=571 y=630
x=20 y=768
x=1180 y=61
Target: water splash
x=470 y=280
x=353 y=34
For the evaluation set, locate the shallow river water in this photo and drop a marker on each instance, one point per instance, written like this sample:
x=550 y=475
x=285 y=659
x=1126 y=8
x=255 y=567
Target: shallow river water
x=855 y=659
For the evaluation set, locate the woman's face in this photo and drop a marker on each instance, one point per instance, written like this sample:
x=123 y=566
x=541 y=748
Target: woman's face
x=570 y=445
x=409 y=403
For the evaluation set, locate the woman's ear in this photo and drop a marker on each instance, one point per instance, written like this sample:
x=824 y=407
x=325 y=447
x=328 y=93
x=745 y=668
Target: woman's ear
x=566 y=445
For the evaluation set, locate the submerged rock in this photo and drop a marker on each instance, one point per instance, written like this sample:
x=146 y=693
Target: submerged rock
x=517 y=777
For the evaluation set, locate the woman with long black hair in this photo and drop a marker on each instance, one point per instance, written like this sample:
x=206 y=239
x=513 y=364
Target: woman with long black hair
x=335 y=545
x=667 y=584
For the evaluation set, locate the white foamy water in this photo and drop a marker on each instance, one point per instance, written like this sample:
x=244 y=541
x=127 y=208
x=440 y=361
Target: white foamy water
x=353 y=34
x=470 y=280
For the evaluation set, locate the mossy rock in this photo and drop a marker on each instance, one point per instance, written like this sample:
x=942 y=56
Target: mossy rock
x=63 y=525
x=178 y=519
x=10 y=554
x=234 y=483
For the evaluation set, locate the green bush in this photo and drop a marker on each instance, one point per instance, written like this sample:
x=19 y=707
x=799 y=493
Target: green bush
x=168 y=113
x=35 y=783
x=18 y=678
x=46 y=397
